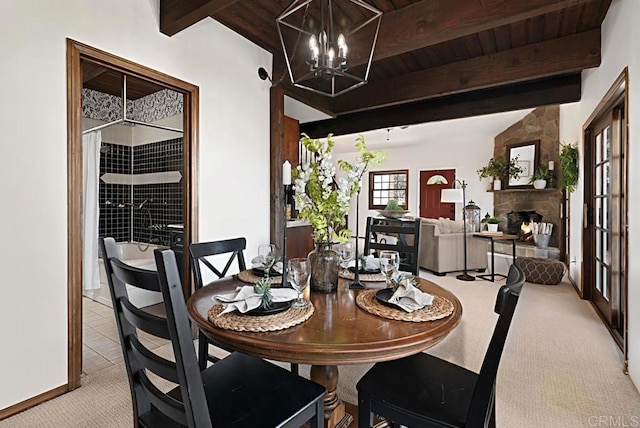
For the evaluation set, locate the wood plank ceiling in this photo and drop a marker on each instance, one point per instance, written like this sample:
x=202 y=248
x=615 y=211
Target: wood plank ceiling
x=434 y=59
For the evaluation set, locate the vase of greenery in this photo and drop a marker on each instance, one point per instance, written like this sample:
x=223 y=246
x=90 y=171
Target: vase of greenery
x=492 y=224
x=540 y=177
x=324 y=266
x=499 y=168
x=324 y=201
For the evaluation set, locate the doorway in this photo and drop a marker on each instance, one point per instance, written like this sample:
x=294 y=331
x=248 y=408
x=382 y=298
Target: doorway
x=605 y=196
x=84 y=64
x=431 y=184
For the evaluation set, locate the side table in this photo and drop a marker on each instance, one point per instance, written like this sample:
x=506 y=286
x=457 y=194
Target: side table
x=494 y=237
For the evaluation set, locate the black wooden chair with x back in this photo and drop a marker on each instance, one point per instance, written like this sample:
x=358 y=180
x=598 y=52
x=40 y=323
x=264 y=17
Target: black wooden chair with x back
x=405 y=233
x=201 y=253
x=200 y=256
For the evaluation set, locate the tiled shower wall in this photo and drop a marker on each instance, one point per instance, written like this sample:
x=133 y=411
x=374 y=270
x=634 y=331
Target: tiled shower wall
x=164 y=201
x=114 y=222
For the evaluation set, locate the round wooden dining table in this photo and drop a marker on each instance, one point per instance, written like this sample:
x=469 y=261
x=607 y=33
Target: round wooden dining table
x=338 y=333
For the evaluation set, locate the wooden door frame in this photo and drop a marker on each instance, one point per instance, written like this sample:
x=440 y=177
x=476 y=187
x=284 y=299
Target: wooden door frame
x=608 y=101
x=77 y=52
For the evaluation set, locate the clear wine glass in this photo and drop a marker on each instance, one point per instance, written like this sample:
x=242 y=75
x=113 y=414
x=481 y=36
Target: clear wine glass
x=389 y=264
x=299 y=277
x=346 y=253
x=267 y=256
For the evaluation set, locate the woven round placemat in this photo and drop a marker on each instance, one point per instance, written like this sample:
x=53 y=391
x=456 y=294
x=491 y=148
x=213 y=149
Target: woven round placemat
x=440 y=308
x=239 y=322
x=251 y=278
x=369 y=277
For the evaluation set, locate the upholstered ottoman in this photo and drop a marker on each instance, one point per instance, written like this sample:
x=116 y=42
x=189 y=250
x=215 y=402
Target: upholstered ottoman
x=541 y=271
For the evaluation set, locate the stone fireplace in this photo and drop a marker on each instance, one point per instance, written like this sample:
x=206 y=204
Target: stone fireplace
x=514 y=205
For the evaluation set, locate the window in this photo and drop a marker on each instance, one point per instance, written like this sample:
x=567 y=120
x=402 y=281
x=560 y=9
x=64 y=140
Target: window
x=437 y=179
x=387 y=185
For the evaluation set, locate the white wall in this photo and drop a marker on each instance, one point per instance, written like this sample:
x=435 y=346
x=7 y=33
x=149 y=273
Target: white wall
x=619 y=31
x=234 y=156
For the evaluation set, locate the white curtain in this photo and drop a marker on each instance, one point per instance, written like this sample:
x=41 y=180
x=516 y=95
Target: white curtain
x=90 y=176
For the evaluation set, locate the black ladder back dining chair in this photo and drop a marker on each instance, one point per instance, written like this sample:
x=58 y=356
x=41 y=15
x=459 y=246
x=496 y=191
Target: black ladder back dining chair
x=239 y=390
x=151 y=407
x=200 y=255
x=126 y=330
x=426 y=391
x=407 y=236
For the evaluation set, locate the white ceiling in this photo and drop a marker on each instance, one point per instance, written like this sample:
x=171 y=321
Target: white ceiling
x=445 y=131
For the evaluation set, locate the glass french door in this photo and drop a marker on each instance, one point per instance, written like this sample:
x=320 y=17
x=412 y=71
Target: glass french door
x=601 y=284
x=608 y=230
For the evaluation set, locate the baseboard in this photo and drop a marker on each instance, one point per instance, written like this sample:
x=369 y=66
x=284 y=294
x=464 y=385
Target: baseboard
x=33 y=401
x=575 y=286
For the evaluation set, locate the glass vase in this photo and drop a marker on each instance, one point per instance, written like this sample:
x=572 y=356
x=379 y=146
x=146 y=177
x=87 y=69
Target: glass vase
x=324 y=263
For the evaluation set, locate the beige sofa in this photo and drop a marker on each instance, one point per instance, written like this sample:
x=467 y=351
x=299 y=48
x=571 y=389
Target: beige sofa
x=442 y=249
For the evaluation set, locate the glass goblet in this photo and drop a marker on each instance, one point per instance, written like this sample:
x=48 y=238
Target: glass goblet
x=299 y=277
x=267 y=256
x=389 y=264
x=346 y=253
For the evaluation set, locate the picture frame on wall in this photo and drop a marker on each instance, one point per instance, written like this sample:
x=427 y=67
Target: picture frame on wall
x=526 y=155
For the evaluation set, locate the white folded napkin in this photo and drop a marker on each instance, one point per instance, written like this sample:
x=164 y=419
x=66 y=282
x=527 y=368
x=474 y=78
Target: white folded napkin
x=245 y=299
x=255 y=264
x=410 y=298
x=371 y=263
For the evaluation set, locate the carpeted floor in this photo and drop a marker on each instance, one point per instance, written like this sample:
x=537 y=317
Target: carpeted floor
x=560 y=367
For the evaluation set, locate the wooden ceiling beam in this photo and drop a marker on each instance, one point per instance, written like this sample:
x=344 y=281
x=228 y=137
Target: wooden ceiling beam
x=176 y=15
x=429 y=22
x=318 y=102
x=554 y=90
x=550 y=58
x=280 y=76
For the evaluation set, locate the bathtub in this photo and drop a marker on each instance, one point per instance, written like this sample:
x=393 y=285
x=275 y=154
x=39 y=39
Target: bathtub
x=130 y=254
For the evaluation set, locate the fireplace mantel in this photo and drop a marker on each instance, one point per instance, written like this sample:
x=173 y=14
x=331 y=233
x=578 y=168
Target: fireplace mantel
x=546 y=190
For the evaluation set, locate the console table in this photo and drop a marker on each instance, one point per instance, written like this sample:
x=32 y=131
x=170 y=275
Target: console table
x=493 y=238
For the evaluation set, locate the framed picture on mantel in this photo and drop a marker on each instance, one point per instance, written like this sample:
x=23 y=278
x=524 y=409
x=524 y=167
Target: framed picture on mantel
x=526 y=155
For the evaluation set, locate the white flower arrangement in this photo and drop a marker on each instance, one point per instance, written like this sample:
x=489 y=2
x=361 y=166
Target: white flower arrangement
x=322 y=199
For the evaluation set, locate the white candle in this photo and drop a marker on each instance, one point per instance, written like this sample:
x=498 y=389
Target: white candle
x=286 y=173
x=551 y=165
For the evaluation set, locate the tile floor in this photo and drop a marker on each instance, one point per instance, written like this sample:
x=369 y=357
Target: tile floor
x=100 y=341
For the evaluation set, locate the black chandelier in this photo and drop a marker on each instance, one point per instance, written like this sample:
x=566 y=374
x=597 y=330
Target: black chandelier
x=315 y=34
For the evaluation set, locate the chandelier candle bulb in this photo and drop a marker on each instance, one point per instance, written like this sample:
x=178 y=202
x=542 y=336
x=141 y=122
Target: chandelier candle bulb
x=342 y=49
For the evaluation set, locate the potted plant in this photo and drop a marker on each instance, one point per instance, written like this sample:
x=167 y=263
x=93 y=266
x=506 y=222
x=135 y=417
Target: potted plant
x=540 y=177
x=492 y=224
x=569 y=157
x=499 y=168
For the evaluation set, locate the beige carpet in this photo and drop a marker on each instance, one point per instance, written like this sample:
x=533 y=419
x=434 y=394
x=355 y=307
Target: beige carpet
x=560 y=367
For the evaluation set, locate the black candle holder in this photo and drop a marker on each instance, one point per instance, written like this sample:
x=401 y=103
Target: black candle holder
x=287 y=197
x=356 y=276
